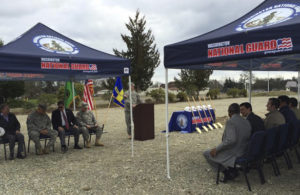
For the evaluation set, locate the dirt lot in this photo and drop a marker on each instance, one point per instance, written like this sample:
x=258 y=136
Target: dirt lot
x=112 y=170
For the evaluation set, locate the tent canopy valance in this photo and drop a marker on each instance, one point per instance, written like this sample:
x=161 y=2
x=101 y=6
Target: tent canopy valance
x=44 y=54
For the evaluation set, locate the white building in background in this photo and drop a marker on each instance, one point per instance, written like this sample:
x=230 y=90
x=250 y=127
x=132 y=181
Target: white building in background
x=290 y=85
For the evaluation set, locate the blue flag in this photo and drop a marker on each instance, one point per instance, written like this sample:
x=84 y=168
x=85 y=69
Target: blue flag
x=118 y=93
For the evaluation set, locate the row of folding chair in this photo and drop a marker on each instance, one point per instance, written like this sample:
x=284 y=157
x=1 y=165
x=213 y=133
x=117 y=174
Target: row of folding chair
x=266 y=147
x=44 y=138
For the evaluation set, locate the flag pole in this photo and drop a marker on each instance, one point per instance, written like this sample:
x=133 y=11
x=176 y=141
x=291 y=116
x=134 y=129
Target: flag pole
x=95 y=107
x=105 y=117
x=73 y=92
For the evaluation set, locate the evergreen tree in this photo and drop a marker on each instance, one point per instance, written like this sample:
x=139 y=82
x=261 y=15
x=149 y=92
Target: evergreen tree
x=193 y=81
x=1 y=43
x=141 y=51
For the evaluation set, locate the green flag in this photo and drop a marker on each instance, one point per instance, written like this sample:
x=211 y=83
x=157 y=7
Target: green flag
x=69 y=94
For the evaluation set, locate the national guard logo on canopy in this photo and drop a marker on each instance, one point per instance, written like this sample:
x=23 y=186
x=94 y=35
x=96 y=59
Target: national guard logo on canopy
x=182 y=121
x=55 y=45
x=270 y=16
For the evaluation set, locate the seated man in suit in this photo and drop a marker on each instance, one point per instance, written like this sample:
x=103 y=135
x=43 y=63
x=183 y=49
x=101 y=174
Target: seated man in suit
x=63 y=120
x=293 y=106
x=87 y=122
x=38 y=122
x=257 y=124
x=288 y=114
x=274 y=118
x=234 y=143
x=11 y=125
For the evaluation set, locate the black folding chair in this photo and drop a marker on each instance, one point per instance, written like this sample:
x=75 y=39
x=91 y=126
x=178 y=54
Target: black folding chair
x=5 y=143
x=42 y=137
x=294 y=137
x=253 y=156
x=271 y=142
x=284 y=131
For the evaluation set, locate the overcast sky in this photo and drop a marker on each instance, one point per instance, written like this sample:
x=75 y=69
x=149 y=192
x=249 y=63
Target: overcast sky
x=99 y=23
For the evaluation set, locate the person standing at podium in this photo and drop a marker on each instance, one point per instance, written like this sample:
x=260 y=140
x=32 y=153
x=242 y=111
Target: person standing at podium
x=135 y=100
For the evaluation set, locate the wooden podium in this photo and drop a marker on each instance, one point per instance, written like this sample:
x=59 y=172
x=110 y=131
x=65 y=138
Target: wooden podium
x=143 y=119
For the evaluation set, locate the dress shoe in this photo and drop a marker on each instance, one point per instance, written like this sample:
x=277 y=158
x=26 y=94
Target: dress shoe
x=64 y=149
x=77 y=147
x=20 y=156
x=11 y=157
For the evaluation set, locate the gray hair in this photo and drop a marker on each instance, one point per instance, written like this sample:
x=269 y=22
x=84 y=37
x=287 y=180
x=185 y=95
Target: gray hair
x=234 y=108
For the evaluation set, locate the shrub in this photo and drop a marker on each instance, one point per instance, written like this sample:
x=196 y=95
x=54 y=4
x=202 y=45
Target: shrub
x=158 y=95
x=233 y=92
x=243 y=93
x=171 y=97
x=29 y=105
x=14 y=103
x=213 y=93
x=182 y=96
x=47 y=99
x=149 y=101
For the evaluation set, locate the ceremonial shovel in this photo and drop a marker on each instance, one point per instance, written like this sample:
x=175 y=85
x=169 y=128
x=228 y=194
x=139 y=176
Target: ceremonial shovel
x=209 y=126
x=211 y=116
x=205 y=128
x=197 y=128
x=219 y=124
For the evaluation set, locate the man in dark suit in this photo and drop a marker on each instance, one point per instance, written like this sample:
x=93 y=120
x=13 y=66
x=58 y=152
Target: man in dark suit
x=288 y=114
x=257 y=124
x=11 y=125
x=63 y=120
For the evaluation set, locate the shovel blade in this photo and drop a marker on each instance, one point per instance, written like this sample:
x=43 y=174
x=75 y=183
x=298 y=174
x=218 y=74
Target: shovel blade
x=198 y=130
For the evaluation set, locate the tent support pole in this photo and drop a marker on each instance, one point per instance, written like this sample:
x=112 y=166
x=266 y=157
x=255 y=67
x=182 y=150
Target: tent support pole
x=131 y=119
x=250 y=81
x=268 y=83
x=298 y=87
x=73 y=94
x=167 y=125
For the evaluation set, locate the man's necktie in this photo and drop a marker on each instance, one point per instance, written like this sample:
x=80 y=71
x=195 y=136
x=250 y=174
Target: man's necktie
x=66 y=121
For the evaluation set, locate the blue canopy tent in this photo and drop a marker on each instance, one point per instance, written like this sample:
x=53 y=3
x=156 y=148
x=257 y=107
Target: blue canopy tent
x=265 y=39
x=44 y=54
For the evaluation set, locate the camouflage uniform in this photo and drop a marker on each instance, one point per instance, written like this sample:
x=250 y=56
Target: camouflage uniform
x=88 y=118
x=135 y=100
x=37 y=122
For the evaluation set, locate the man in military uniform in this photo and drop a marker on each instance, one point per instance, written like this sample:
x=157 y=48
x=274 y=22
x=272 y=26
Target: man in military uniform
x=135 y=100
x=38 y=122
x=87 y=123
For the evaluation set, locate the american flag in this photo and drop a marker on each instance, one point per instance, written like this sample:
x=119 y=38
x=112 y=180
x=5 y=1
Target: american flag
x=88 y=94
x=284 y=43
x=93 y=67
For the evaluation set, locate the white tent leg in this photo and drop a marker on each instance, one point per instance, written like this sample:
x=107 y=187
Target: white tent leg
x=167 y=126
x=131 y=118
x=73 y=92
x=298 y=88
x=268 y=83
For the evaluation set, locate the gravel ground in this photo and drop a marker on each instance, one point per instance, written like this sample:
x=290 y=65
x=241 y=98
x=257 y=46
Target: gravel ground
x=112 y=170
